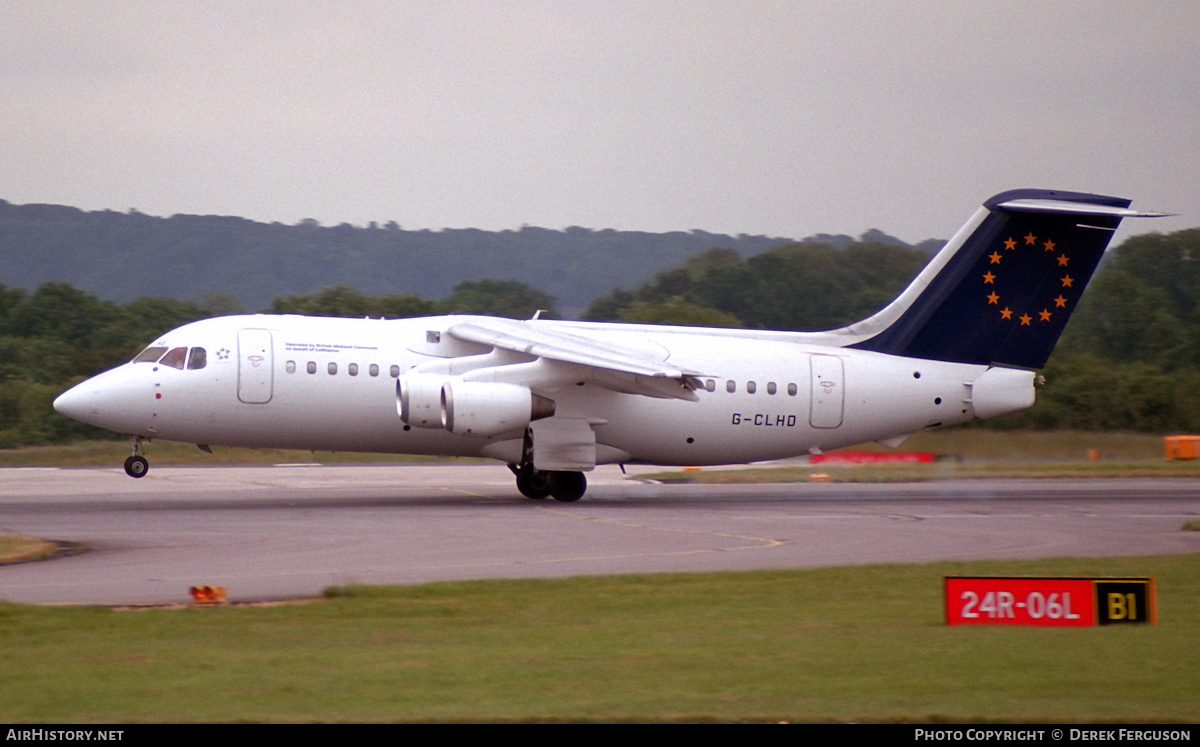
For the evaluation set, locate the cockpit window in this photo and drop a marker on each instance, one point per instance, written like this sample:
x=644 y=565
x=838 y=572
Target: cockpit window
x=150 y=355
x=175 y=358
x=199 y=359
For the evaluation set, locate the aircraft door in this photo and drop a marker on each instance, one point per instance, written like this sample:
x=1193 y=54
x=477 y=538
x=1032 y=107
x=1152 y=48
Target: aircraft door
x=828 y=393
x=255 y=366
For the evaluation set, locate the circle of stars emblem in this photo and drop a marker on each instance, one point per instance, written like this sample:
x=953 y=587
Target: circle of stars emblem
x=997 y=259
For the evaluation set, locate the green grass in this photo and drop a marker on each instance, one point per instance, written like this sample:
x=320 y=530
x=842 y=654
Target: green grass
x=985 y=444
x=113 y=453
x=923 y=472
x=837 y=644
x=962 y=452
x=977 y=452
x=17 y=548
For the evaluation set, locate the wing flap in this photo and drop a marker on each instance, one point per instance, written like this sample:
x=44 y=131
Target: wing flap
x=609 y=365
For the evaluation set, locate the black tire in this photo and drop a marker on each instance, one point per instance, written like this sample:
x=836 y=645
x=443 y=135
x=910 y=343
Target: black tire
x=136 y=466
x=532 y=484
x=567 y=487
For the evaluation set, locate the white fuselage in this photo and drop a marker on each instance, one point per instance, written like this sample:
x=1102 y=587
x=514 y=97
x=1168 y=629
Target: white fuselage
x=331 y=384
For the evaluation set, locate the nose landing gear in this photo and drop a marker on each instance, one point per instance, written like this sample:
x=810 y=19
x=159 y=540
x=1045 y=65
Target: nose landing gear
x=136 y=465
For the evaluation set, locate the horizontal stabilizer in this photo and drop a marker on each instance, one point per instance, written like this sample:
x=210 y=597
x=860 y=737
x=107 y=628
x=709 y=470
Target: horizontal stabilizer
x=1074 y=208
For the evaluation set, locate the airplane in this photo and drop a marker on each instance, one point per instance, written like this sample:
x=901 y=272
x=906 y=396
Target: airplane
x=555 y=399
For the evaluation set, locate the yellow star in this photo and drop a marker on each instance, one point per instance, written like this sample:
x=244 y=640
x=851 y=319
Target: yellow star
x=1010 y=244
x=1025 y=319
x=1067 y=281
x=1030 y=239
x=1006 y=313
x=1062 y=260
x=995 y=257
x=1049 y=245
x=1044 y=314
x=988 y=277
x=992 y=297
x=1060 y=301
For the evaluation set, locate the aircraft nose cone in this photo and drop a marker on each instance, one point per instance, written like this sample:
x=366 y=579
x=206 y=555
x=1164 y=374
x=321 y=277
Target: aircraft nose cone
x=115 y=400
x=76 y=403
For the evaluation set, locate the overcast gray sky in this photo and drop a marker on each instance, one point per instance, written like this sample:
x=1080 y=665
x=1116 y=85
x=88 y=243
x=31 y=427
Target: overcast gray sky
x=778 y=118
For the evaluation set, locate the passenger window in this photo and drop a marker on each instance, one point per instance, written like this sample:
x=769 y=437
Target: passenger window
x=332 y=369
x=312 y=367
x=352 y=369
x=149 y=355
x=291 y=366
x=710 y=386
x=751 y=387
x=374 y=369
x=198 y=359
x=394 y=371
x=791 y=390
x=175 y=358
x=770 y=387
x=731 y=386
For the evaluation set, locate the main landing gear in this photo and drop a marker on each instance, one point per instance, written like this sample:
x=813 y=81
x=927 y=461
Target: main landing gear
x=136 y=465
x=538 y=484
x=567 y=487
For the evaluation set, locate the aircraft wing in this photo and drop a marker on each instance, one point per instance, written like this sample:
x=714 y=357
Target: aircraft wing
x=611 y=366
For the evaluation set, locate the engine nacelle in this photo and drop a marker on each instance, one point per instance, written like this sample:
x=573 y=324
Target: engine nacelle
x=470 y=408
x=419 y=399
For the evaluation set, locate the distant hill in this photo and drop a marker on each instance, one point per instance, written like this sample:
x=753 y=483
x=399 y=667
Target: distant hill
x=123 y=256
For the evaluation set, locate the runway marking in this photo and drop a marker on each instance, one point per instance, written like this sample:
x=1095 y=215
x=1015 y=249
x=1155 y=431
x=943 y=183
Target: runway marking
x=464 y=492
x=764 y=542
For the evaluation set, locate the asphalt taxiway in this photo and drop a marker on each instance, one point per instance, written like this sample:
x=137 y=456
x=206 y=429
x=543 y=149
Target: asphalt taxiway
x=282 y=532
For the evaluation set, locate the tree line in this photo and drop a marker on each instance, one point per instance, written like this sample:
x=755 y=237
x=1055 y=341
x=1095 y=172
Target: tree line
x=1128 y=360
x=124 y=256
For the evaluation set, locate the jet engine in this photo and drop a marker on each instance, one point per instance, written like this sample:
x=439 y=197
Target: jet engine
x=484 y=409
x=419 y=399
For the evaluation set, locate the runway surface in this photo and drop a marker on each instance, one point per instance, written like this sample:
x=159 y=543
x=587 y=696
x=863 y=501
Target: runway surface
x=290 y=531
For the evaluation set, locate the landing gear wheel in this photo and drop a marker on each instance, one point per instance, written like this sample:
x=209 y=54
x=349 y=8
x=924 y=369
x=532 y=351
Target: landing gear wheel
x=532 y=484
x=136 y=466
x=567 y=487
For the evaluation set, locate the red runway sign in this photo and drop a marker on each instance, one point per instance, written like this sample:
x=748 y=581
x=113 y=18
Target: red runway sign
x=1054 y=602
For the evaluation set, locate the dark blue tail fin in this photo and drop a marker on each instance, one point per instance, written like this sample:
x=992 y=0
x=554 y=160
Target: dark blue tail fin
x=1001 y=290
